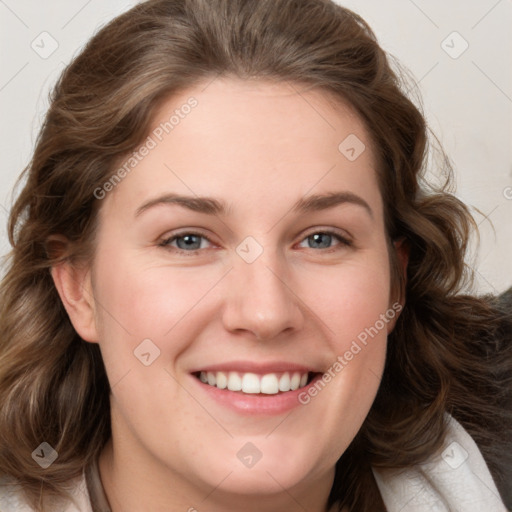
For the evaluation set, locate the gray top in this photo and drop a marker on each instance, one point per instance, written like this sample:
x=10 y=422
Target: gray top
x=97 y=496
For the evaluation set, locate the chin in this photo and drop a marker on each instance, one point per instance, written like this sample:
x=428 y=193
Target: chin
x=263 y=481
x=269 y=474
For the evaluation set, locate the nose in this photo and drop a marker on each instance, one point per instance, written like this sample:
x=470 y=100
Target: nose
x=261 y=300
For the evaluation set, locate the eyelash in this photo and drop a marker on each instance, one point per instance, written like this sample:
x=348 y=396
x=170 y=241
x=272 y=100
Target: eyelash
x=344 y=242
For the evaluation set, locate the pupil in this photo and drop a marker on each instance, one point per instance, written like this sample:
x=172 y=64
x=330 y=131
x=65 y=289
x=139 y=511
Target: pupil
x=317 y=237
x=189 y=241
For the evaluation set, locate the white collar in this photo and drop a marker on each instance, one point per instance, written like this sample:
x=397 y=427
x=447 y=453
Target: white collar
x=455 y=479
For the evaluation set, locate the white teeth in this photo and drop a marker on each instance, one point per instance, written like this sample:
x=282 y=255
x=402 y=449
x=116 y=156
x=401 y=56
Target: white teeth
x=252 y=383
x=295 y=381
x=284 y=382
x=234 y=382
x=269 y=384
x=222 y=380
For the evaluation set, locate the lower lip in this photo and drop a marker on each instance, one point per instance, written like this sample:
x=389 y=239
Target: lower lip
x=246 y=403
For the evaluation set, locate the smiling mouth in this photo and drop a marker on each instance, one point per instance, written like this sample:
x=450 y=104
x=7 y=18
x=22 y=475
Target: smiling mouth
x=255 y=384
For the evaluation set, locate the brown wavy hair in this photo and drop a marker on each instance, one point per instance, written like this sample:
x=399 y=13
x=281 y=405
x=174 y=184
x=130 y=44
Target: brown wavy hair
x=448 y=351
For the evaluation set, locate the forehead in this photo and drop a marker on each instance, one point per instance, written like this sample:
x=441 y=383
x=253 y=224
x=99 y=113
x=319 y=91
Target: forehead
x=254 y=141
x=247 y=114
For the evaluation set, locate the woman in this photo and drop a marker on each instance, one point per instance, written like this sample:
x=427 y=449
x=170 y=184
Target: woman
x=228 y=290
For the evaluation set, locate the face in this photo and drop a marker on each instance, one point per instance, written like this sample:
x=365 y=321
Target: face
x=273 y=273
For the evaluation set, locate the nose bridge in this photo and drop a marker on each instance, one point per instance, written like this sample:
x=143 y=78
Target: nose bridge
x=260 y=299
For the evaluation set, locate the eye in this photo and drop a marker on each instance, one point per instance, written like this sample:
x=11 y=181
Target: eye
x=186 y=242
x=323 y=240
x=192 y=242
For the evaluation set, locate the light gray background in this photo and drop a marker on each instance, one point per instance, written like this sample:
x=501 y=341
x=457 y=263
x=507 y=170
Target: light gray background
x=467 y=99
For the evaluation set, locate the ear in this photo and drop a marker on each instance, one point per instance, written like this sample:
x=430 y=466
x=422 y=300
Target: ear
x=73 y=283
x=401 y=248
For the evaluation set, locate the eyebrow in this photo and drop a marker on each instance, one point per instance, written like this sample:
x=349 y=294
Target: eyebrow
x=318 y=202
x=212 y=206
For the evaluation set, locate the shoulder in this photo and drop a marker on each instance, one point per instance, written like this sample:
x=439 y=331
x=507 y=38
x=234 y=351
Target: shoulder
x=12 y=498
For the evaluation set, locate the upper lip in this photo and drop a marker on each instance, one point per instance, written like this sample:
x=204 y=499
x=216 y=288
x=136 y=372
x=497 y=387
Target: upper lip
x=255 y=367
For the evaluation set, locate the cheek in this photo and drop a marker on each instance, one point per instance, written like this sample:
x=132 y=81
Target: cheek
x=352 y=301
x=143 y=299
x=139 y=302
x=351 y=298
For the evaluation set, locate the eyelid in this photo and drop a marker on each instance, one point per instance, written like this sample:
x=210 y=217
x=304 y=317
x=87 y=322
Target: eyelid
x=340 y=233
x=166 y=239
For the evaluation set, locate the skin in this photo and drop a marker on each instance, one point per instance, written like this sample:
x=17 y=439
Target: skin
x=258 y=146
